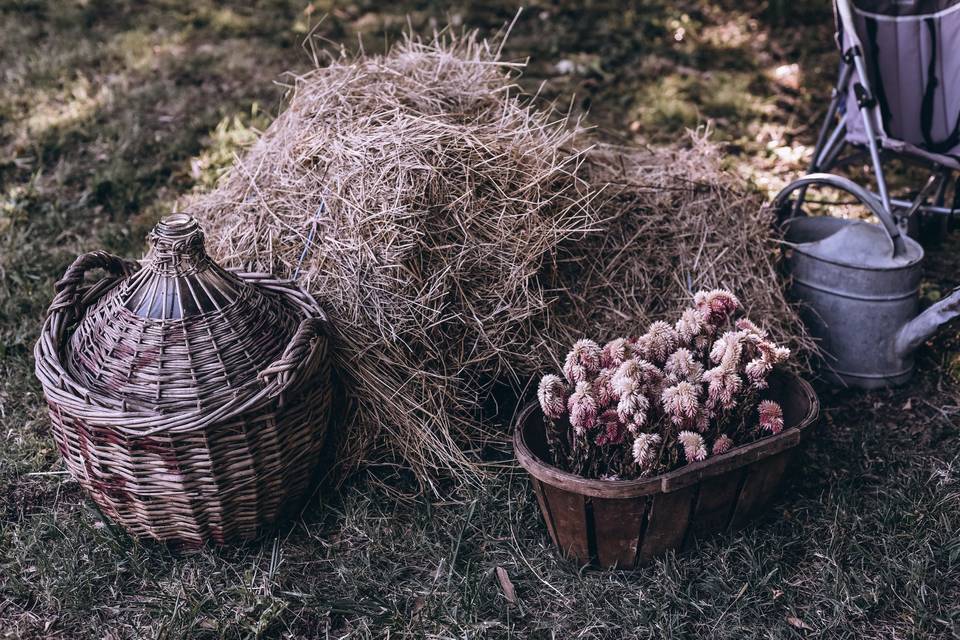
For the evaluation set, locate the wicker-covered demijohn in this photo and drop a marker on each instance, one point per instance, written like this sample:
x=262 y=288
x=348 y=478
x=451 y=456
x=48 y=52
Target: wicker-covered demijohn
x=190 y=401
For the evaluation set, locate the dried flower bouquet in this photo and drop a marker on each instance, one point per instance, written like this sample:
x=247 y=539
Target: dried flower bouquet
x=679 y=393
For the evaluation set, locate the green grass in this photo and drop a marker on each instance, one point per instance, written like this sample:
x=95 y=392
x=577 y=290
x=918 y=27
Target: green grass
x=111 y=111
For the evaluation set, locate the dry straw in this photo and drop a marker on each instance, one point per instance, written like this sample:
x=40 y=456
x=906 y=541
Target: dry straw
x=460 y=237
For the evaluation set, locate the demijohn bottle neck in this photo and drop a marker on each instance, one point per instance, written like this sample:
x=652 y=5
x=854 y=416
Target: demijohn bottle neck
x=178 y=247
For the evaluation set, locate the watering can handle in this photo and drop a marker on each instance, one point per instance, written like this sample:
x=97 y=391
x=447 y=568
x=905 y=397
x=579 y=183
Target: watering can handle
x=845 y=184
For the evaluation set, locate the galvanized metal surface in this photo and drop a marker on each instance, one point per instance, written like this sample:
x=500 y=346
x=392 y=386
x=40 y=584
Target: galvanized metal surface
x=859 y=283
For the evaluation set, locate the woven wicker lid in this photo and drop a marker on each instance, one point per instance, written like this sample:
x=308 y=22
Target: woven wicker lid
x=181 y=333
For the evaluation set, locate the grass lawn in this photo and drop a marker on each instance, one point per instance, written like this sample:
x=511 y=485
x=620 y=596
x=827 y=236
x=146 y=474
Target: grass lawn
x=110 y=111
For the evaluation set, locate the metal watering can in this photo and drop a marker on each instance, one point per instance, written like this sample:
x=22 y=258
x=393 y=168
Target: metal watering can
x=859 y=282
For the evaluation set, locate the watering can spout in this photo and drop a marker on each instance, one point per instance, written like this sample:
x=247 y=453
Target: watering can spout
x=915 y=332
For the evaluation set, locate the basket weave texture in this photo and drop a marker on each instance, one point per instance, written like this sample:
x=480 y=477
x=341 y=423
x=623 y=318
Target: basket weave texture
x=190 y=401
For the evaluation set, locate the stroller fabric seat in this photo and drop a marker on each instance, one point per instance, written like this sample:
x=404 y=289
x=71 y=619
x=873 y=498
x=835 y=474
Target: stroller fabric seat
x=912 y=53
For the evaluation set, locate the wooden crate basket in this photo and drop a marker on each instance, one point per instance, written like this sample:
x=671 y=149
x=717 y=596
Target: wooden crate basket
x=627 y=523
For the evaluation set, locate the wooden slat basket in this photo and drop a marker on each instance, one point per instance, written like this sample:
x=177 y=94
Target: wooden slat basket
x=627 y=523
x=190 y=401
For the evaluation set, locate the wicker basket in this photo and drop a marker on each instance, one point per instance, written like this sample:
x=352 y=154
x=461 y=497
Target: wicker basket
x=190 y=401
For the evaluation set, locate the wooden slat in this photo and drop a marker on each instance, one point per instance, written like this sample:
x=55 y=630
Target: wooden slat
x=618 y=525
x=544 y=509
x=666 y=523
x=569 y=522
x=735 y=459
x=763 y=479
x=715 y=504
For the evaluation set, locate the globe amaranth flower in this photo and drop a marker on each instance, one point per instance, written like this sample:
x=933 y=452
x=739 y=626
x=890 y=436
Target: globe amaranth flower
x=716 y=306
x=645 y=449
x=681 y=366
x=722 y=444
x=771 y=416
x=612 y=431
x=552 y=394
x=582 y=362
x=694 y=446
x=681 y=403
x=583 y=408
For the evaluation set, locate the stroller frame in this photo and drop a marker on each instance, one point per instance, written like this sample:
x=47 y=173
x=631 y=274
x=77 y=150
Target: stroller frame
x=832 y=142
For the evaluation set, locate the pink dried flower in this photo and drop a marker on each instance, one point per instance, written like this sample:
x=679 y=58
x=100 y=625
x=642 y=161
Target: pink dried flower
x=771 y=416
x=681 y=403
x=658 y=342
x=723 y=386
x=745 y=324
x=645 y=449
x=757 y=371
x=583 y=408
x=701 y=343
x=552 y=394
x=582 y=362
x=722 y=444
x=689 y=325
x=612 y=430
x=681 y=366
x=703 y=421
x=603 y=387
x=615 y=352
x=716 y=305
x=694 y=446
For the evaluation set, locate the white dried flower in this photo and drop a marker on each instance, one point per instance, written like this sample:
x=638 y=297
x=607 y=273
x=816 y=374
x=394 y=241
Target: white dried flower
x=722 y=387
x=658 y=342
x=727 y=350
x=633 y=405
x=552 y=394
x=757 y=371
x=681 y=366
x=681 y=403
x=645 y=449
x=694 y=446
x=616 y=352
x=689 y=326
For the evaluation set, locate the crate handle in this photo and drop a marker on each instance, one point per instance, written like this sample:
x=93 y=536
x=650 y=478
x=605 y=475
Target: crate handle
x=299 y=360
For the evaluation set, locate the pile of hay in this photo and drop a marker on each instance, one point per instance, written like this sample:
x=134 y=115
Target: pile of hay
x=459 y=238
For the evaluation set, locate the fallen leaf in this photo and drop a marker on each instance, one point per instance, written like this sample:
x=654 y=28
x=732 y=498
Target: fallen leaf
x=506 y=585
x=798 y=623
x=418 y=604
x=908 y=405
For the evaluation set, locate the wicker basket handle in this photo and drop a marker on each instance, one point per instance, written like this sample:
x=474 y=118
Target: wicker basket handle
x=68 y=288
x=300 y=359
